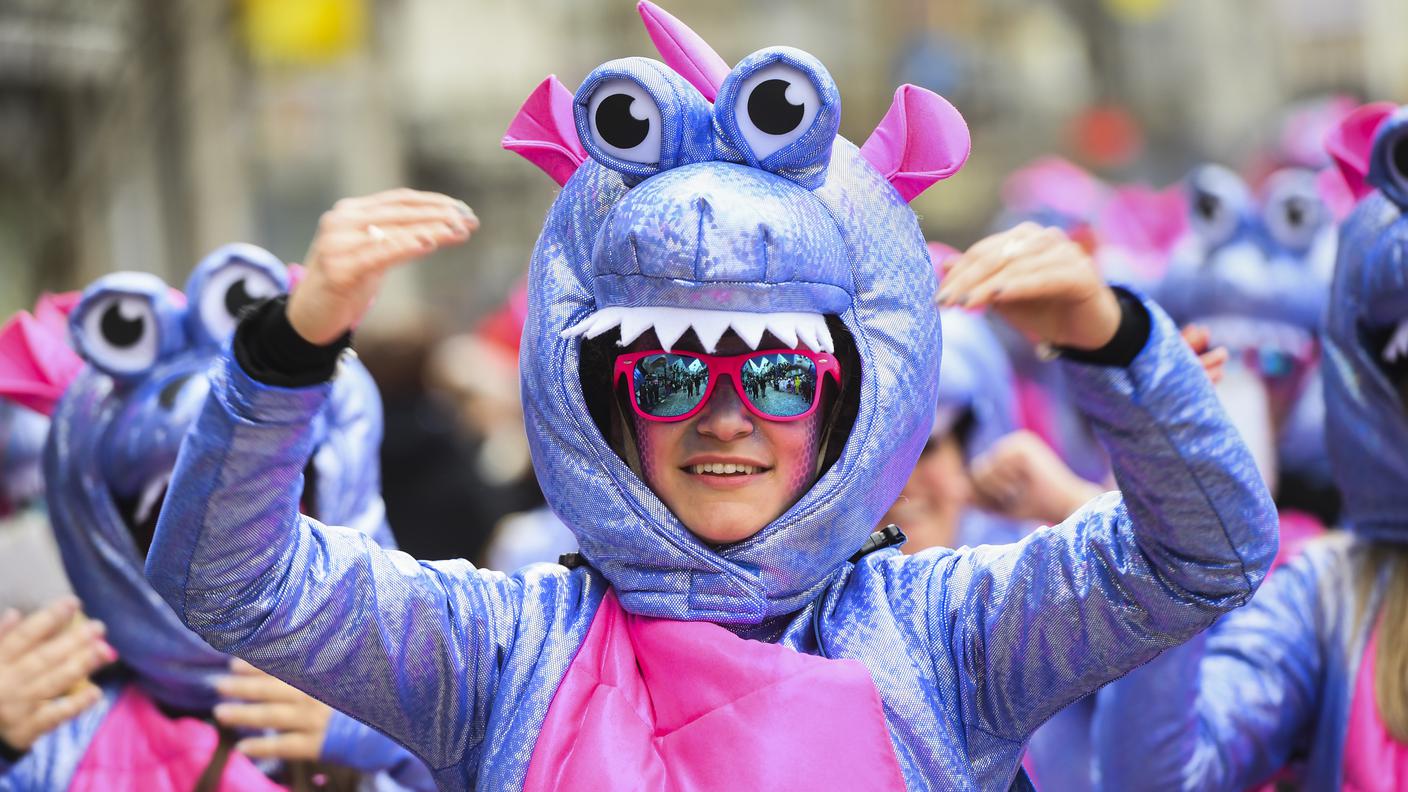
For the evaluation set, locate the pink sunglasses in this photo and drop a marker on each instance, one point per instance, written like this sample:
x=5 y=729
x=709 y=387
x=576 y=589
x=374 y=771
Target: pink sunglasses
x=776 y=385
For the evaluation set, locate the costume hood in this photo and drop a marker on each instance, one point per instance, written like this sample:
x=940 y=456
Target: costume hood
x=701 y=197
x=143 y=350
x=1367 y=334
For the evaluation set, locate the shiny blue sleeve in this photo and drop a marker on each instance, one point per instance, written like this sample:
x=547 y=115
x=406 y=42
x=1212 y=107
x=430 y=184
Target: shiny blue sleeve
x=351 y=743
x=1036 y=625
x=1226 y=710
x=411 y=647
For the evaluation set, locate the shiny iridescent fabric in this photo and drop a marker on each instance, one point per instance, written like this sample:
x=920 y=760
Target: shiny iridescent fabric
x=969 y=651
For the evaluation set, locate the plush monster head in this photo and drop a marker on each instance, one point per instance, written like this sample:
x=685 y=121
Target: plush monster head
x=1366 y=347
x=144 y=350
x=702 y=198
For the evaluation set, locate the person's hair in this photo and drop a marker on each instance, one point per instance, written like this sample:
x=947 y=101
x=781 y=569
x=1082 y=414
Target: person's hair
x=597 y=363
x=1382 y=560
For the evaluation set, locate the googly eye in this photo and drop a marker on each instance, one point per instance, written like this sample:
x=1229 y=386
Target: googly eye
x=1294 y=213
x=776 y=106
x=1216 y=197
x=1388 y=165
x=120 y=334
x=229 y=291
x=625 y=121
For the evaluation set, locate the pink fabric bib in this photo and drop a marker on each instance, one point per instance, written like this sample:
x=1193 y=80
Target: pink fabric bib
x=139 y=749
x=672 y=706
x=1373 y=760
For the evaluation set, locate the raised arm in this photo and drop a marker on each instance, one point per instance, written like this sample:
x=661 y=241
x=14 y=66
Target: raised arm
x=412 y=648
x=1189 y=536
x=1228 y=709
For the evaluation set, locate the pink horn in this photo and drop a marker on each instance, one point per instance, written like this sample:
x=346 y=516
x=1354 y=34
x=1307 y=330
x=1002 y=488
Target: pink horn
x=683 y=50
x=544 y=132
x=921 y=140
x=1350 y=143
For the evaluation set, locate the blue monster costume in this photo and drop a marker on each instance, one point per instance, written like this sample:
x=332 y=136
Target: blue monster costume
x=115 y=435
x=687 y=215
x=1275 y=682
x=1255 y=271
x=22 y=433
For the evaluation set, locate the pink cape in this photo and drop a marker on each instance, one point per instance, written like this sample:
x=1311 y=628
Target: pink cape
x=657 y=705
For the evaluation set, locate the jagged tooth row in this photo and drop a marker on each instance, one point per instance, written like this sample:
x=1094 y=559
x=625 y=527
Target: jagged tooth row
x=670 y=324
x=1397 y=346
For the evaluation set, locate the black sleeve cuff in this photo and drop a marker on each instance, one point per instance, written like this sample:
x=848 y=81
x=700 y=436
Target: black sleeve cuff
x=10 y=754
x=271 y=352
x=1129 y=339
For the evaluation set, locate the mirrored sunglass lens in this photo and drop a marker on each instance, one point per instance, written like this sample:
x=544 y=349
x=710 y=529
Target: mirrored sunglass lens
x=782 y=384
x=669 y=385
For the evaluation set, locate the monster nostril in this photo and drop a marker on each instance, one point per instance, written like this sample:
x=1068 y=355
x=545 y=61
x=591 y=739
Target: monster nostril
x=172 y=389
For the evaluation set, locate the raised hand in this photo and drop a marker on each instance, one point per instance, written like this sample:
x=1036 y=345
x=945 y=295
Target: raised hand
x=298 y=722
x=1022 y=478
x=1040 y=281
x=45 y=660
x=1214 y=359
x=358 y=240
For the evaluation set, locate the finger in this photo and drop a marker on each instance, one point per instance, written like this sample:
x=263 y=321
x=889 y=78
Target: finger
x=393 y=215
x=72 y=642
x=280 y=746
x=256 y=688
x=1046 y=268
x=278 y=716
x=1016 y=251
x=408 y=243
x=401 y=196
x=38 y=627
x=8 y=620
x=68 y=673
x=51 y=713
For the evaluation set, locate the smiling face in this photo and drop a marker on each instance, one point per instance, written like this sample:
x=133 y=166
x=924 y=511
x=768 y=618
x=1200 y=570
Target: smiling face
x=726 y=473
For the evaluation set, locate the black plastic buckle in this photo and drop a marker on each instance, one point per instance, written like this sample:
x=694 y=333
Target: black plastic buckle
x=889 y=536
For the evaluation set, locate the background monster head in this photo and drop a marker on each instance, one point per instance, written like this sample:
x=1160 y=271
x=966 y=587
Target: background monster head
x=703 y=198
x=146 y=349
x=1366 y=348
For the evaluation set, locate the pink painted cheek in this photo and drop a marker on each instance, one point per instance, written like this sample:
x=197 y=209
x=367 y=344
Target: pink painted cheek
x=802 y=474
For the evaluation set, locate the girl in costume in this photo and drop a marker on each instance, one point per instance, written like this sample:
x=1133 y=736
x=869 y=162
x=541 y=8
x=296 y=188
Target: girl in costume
x=730 y=624
x=1311 y=673
x=168 y=716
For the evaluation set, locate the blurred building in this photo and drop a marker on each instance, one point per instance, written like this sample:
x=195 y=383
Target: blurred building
x=138 y=134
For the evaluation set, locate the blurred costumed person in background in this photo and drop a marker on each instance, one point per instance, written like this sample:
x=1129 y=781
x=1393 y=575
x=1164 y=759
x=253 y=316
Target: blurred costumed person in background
x=174 y=713
x=730 y=367
x=1311 y=675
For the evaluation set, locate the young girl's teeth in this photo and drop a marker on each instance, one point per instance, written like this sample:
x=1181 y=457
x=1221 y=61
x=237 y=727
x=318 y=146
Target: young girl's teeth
x=723 y=469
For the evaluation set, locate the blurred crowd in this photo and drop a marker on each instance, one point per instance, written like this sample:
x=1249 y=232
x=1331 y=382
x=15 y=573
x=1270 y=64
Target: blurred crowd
x=1207 y=186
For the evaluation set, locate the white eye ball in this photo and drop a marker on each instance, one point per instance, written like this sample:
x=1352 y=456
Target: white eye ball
x=1294 y=212
x=1217 y=196
x=120 y=334
x=776 y=105
x=228 y=291
x=625 y=121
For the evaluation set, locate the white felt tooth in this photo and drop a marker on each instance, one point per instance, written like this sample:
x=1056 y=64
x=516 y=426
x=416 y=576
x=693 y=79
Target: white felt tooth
x=1397 y=345
x=750 y=328
x=828 y=344
x=633 y=324
x=605 y=320
x=784 y=328
x=669 y=327
x=709 y=326
x=806 y=333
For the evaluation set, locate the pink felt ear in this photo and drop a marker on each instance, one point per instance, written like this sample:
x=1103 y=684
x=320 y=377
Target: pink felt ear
x=1056 y=185
x=683 y=50
x=1352 y=141
x=36 y=364
x=921 y=140
x=52 y=310
x=544 y=132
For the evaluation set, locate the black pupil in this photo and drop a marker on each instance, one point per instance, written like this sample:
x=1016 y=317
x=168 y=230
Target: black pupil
x=1295 y=213
x=1207 y=206
x=236 y=298
x=617 y=126
x=1399 y=155
x=118 y=330
x=770 y=111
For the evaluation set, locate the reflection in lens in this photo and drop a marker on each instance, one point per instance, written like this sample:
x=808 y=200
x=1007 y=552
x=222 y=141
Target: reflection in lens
x=782 y=384
x=669 y=385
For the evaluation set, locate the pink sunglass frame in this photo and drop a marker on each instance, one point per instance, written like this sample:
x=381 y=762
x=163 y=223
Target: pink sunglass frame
x=732 y=366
